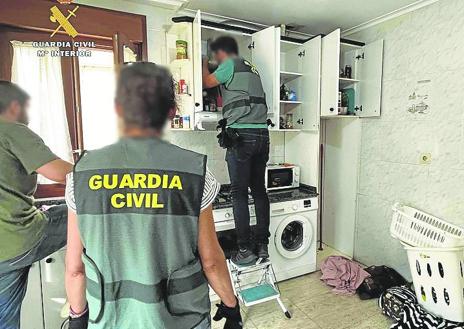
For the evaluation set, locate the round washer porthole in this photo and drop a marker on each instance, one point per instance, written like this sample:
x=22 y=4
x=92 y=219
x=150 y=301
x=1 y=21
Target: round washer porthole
x=293 y=236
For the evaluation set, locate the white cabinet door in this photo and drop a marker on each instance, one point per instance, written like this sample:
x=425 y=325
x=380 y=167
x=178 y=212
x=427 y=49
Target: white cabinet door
x=31 y=310
x=197 y=63
x=53 y=290
x=330 y=66
x=265 y=56
x=311 y=83
x=369 y=89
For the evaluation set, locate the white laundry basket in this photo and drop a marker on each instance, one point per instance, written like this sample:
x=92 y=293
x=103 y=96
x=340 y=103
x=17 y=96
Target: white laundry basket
x=420 y=229
x=438 y=275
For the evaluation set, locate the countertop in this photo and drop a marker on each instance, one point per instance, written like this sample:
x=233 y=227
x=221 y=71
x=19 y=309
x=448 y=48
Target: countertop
x=302 y=192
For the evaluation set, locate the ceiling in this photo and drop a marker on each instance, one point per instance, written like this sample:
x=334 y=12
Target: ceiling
x=310 y=16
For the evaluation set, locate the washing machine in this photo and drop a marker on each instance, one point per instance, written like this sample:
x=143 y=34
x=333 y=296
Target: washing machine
x=292 y=245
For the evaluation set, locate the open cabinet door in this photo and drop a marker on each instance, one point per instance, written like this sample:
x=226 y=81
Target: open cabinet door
x=330 y=66
x=197 y=63
x=370 y=76
x=311 y=84
x=265 y=54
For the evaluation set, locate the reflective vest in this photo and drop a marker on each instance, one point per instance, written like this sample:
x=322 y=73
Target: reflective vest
x=243 y=97
x=138 y=203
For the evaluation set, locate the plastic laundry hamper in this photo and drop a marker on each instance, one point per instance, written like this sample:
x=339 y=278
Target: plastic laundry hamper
x=420 y=229
x=438 y=275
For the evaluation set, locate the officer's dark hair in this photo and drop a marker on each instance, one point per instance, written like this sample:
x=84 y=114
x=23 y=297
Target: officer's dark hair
x=226 y=44
x=146 y=93
x=10 y=92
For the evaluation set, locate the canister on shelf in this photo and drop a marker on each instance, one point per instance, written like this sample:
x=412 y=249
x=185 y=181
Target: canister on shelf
x=348 y=71
x=186 y=121
x=183 y=88
x=181 y=49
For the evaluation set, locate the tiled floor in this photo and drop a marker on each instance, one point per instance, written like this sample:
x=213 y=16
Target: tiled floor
x=313 y=305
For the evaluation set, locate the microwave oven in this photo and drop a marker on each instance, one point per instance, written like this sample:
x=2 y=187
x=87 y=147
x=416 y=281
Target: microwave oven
x=282 y=176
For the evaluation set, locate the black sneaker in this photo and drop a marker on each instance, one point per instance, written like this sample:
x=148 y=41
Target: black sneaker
x=244 y=257
x=262 y=251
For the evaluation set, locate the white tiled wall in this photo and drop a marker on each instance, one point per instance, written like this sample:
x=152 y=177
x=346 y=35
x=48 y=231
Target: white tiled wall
x=424 y=45
x=205 y=142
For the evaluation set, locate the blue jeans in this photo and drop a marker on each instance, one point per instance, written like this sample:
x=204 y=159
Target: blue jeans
x=14 y=272
x=247 y=166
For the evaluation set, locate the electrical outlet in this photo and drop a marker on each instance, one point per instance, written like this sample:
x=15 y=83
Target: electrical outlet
x=425 y=158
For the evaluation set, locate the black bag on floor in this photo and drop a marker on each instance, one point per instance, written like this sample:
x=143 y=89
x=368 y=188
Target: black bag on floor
x=382 y=278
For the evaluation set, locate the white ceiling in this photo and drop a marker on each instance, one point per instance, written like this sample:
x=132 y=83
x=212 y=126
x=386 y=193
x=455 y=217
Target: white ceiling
x=314 y=16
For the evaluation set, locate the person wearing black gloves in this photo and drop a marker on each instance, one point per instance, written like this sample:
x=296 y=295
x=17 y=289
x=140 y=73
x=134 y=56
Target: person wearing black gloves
x=231 y=314
x=78 y=320
x=138 y=258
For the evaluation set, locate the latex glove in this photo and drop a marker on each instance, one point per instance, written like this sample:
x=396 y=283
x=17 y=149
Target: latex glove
x=80 y=322
x=231 y=314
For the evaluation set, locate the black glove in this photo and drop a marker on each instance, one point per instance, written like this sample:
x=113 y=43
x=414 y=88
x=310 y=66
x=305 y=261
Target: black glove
x=80 y=322
x=231 y=314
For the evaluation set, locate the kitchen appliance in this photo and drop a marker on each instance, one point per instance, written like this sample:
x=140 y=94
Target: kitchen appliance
x=293 y=240
x=282 y=176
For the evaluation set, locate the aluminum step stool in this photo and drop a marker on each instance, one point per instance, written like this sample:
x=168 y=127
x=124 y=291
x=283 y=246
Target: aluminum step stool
x=263 y=288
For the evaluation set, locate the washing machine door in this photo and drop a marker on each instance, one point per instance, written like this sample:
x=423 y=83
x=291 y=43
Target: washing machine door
x=293 y=236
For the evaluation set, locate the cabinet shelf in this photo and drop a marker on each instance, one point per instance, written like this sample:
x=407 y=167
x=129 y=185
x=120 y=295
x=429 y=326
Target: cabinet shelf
x=344 y=82
x=286 y=76
x=340 y=116
x=290 y=102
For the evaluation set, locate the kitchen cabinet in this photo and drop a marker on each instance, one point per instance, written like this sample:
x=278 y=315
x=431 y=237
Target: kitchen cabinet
x=278 y=61
x=53 y=289
x=295 y=65
x=31 y=310
x=186 y=70
x=365 y=80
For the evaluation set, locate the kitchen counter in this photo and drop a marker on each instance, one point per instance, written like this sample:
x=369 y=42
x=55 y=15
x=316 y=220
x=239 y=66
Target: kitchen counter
x=224 y=200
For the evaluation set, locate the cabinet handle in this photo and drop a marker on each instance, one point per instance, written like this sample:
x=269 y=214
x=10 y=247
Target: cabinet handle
x=332 y=109
x=251 y=45
x=49 y=260
x=197 y=104
x=300 y=121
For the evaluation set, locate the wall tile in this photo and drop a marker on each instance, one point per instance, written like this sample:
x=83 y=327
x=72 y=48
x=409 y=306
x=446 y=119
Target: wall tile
x=423 y=45
x=374 y=245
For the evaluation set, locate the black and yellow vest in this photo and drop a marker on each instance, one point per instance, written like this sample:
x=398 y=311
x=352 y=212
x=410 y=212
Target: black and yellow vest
x=138 y=203
x=243 y=97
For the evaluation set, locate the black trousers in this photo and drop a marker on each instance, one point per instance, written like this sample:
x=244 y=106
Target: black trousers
x=247 y=165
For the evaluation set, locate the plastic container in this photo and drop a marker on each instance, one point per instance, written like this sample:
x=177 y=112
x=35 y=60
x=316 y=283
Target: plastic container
x=419 y=229
x=438 y=276
x=181 y=49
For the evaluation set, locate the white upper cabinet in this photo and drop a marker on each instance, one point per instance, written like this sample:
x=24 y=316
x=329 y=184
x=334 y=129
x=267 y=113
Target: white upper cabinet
x=182 y=69
x=330 y=70
x=370 y=79
x=265 y=56
x=292 y=66
x=351 y=77
x=310 y=91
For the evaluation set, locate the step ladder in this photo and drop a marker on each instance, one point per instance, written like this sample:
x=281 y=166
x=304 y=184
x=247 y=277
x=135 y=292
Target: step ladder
x=256 y=284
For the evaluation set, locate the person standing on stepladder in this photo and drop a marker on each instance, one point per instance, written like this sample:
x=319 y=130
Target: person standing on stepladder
x=245 y=135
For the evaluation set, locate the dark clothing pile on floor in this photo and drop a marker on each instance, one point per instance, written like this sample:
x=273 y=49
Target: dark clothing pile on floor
x=396 y=299
x=400 y=304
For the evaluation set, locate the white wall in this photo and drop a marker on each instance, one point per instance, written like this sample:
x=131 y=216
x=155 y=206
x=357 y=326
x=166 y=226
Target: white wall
x=205 y=142
x=341 y=138
x=423 y=45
